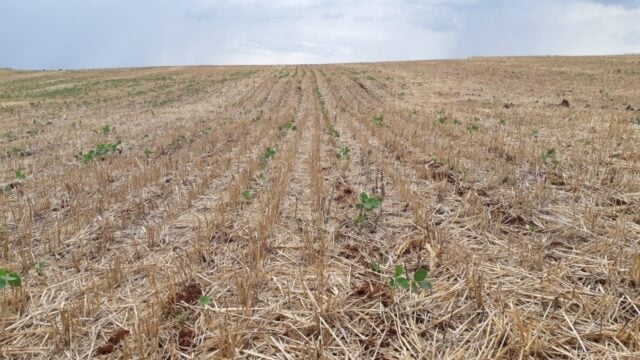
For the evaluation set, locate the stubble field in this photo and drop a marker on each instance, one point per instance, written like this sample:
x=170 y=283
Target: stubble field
x=279 y=212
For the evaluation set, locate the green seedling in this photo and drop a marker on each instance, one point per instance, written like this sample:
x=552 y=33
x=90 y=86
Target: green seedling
x=247 y=194
x=473 y=128
x=20 y=175
x=334 y=132
x=502 y=122
x=289 y=126
x=204 y=300
x=535 y=133
x=344 y=153
x=366 y=205
x=256 y=119
x=457 y=122
x=39 y=267
x=9 y=278
x=550 y=154
x=106 y=129
x=378 y=120
x=416 y=283
x=269 y=153
x=100 y=151
x=178 y=142
x=147 y=153
x=442 y=119
x=375 y=267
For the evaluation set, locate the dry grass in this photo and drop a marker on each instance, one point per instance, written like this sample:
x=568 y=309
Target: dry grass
x=524 y=208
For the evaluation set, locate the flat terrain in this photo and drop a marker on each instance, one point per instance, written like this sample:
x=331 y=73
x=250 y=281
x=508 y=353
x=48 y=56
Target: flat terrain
x=216 y=212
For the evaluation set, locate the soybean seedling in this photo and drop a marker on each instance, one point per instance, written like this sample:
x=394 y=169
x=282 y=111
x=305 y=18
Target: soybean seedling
x=204 y=300
x=366 y=205
x=416 y=283
x=289 y=125
x=269 y=153
x=39 y=267
x=247 y=194
x=378 y=120
x=473 y=128
x=20 y=175
x=9 y=278
x=344 y=153
x=147 y=153
x=334 y=132
x=106 y=129
x=550 y=154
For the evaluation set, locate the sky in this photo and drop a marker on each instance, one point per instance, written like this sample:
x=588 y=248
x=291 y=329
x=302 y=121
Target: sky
x=73 y=34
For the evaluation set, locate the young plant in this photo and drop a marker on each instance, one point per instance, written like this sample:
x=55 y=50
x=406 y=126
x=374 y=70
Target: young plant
x=344 y=153
x=550 y=154
x=204 y=300
x=106 y=129
x=9 y=278
x=442 y=119
x=39 y=267
x=20 y=175
x=375 y=267
x=100 y=151
x=289 y=126
x=366 y=205
x=269 y=153
x=378 y=120
x=473 y=128
x=147 y=153
x=416 y=282
x=247 y=194
x=334 y=132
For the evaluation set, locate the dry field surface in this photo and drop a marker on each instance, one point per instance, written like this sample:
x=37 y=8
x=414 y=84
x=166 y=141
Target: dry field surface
x=216 y=212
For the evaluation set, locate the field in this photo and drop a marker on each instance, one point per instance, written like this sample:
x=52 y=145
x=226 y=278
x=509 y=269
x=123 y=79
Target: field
x=290 y=212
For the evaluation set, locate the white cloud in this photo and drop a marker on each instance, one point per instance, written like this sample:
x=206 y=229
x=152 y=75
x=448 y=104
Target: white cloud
x=102 y=33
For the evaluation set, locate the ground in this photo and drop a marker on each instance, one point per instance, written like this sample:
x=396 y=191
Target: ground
x=218 y=212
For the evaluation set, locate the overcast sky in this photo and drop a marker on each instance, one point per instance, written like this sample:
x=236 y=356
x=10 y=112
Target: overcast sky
x=51 y=34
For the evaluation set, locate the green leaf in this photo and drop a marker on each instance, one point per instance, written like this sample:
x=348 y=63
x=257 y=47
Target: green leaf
x=375 y=267
x=363 y=197
x=360 y=219
x=420 y=275
x=14 y=279
x=398 y=272
x=403 y=282
x=425 y=285
x=11 y=278
x=204 y=300
x=414 y=287
x=20 y=175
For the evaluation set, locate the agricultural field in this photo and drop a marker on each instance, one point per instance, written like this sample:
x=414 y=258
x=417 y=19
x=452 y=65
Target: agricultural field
x=486 y=208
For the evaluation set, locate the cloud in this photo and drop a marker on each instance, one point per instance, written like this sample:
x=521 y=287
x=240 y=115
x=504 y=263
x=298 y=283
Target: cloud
x=109 y=33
